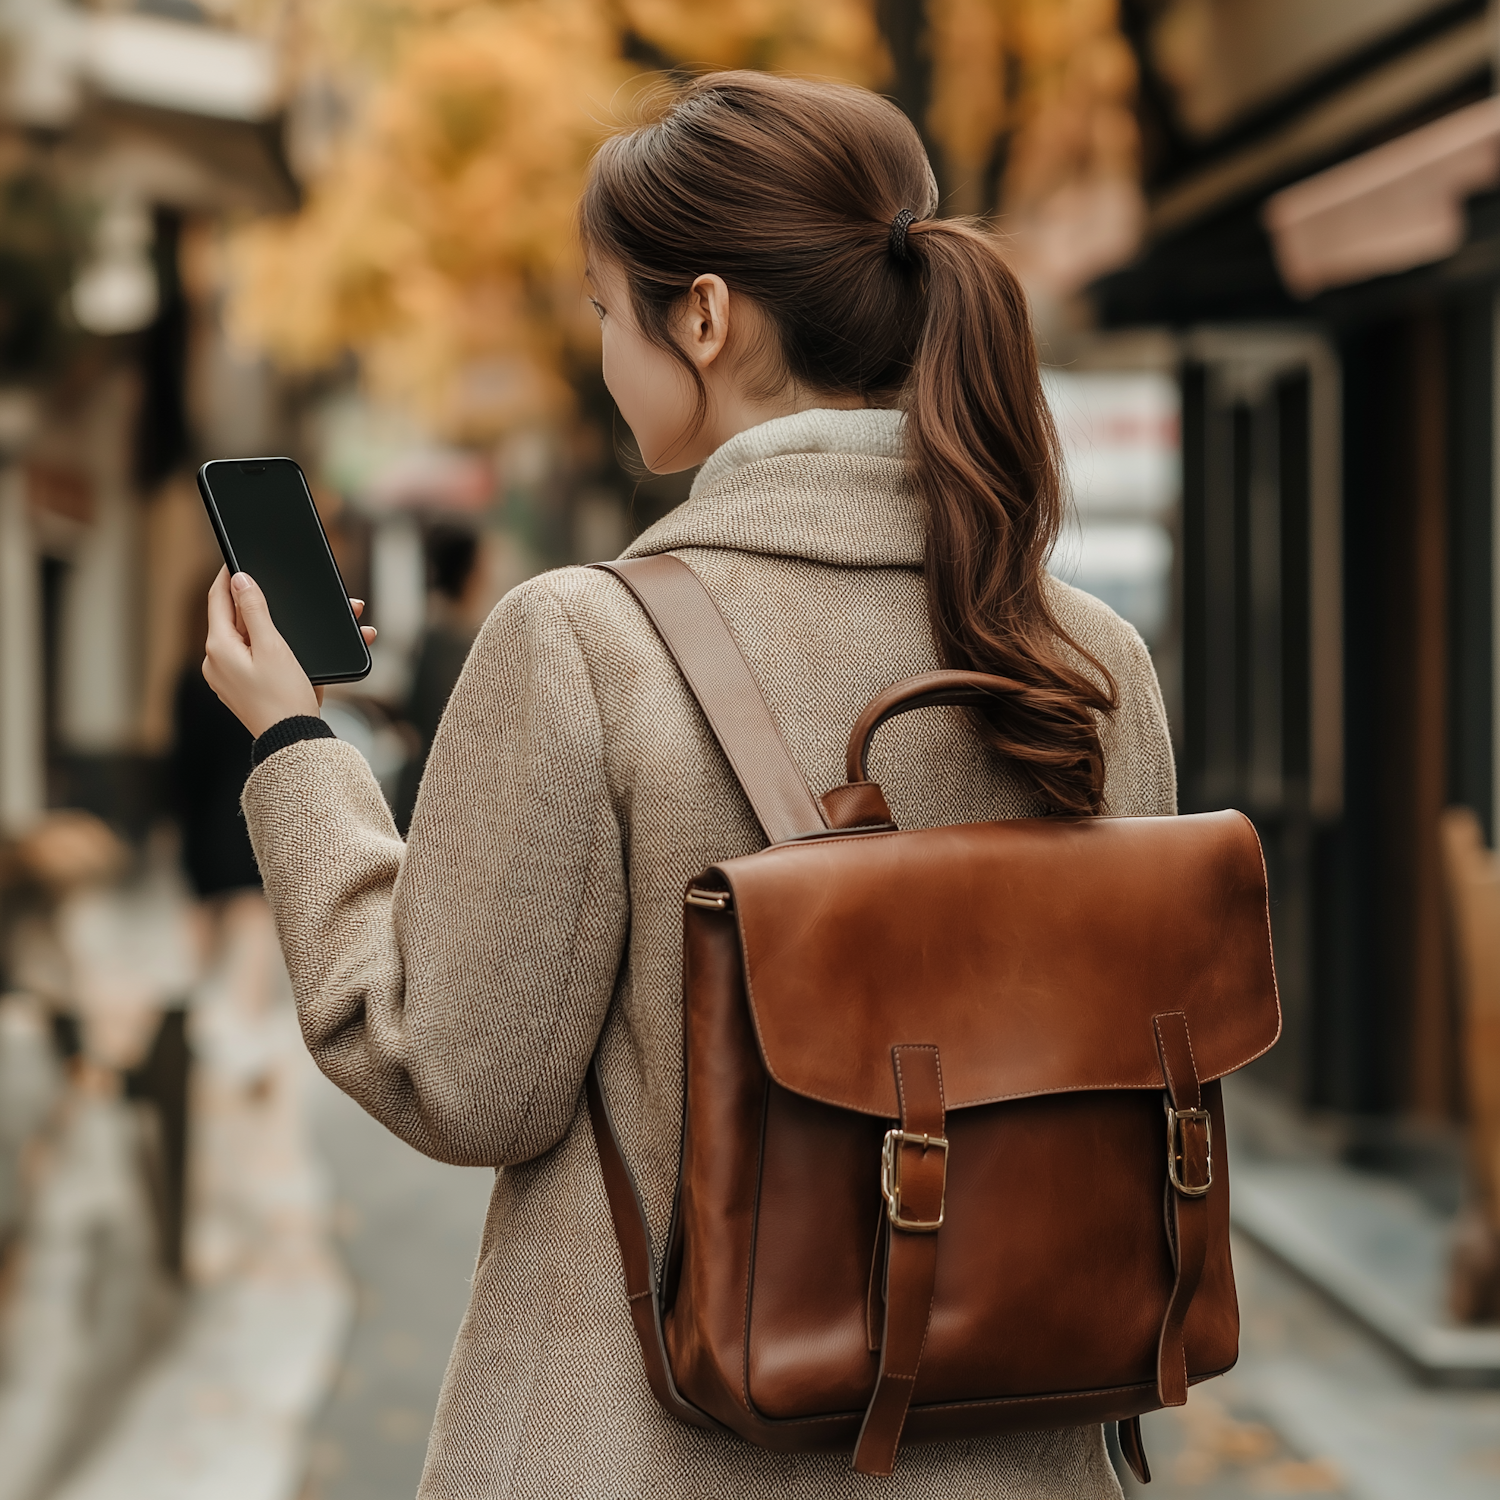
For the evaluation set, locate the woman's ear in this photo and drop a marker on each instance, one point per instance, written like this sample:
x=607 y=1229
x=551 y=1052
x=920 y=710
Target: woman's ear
x=705 y=320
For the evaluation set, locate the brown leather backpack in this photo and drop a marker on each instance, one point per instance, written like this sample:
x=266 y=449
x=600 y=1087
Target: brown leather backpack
x=940 y=1085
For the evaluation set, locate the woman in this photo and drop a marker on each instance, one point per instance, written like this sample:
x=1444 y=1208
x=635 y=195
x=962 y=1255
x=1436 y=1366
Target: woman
x=878 y=493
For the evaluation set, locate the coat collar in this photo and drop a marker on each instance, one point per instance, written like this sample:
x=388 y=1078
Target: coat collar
x=827 y=486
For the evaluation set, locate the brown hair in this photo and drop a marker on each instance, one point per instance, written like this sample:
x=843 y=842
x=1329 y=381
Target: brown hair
x=788 y=190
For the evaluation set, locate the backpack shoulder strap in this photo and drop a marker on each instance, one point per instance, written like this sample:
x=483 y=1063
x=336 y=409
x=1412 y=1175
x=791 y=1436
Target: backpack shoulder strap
x=694 y=633
x=633 y=1235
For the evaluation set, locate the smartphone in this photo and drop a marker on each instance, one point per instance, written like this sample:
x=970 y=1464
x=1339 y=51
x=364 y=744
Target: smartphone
x=267 y=525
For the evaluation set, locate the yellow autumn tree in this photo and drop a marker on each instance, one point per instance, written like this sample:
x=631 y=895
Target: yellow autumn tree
x=438 y=243
x=1071 y=197
x=1050 y=85
x=436 y=240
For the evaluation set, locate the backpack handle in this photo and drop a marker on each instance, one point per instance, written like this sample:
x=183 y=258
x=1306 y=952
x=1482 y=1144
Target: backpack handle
x=929 y=690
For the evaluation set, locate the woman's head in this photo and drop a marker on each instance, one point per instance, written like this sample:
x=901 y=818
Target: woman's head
x=784 y=192
x=742 y=241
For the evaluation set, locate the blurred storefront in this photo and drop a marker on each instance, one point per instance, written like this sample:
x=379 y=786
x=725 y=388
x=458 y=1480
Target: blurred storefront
x=128 y=139
x=1320 y=274
x=1323 y=245
x=1318 y=290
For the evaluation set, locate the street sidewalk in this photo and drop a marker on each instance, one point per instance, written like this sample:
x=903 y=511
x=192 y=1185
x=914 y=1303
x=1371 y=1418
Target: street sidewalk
x=234 y=1371
x=329 y=1265
x=409 y=1230
x=1317 y=1406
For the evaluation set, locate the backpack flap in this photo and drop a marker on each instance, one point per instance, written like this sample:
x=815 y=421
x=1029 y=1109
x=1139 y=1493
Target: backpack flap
x=1033 y=954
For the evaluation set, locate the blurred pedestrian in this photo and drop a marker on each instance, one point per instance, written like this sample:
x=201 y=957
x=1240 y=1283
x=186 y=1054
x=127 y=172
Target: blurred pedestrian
x=452 y=552
x=210 y=761
x=877 y=496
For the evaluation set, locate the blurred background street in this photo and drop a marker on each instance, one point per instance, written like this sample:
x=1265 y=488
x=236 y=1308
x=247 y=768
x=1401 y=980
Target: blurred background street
x=1262 y=243
x=409 y=1230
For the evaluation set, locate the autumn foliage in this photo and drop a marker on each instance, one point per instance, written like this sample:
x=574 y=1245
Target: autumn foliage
x=436 y=241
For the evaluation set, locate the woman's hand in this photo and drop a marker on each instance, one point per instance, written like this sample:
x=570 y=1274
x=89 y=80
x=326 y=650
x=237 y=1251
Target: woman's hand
x=248 y=664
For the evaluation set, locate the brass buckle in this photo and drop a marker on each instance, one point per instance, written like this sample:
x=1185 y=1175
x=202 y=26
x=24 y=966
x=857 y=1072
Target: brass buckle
x=1176 y=1155
x=890 y=1178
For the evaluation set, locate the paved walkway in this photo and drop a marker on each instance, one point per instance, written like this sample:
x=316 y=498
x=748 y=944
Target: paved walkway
x=221 y=1412
x=330 y=1266
x=1317 y=1406
x=409 y=1229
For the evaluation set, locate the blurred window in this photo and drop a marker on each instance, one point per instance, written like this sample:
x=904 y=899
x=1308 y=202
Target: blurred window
x=1122 y=453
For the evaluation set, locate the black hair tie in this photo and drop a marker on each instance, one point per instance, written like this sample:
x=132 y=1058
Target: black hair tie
x=899 y=226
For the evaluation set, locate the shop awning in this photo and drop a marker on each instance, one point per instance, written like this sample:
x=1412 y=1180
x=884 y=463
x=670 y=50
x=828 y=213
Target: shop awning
x=1398 y=206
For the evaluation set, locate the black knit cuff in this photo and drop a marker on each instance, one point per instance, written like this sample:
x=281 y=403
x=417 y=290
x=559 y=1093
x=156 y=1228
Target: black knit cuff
x=288 y=732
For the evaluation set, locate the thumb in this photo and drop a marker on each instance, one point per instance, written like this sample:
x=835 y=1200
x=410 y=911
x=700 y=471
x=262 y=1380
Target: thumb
x=254 y=612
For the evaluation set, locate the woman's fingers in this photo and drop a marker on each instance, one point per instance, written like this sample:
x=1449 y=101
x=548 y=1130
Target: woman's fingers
x=221 y=604
x=247 y=662
x=223 y=627
x=358 y=607
x=226 y=653
x=255 y=614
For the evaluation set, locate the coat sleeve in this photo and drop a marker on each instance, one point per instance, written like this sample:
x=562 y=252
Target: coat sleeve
x=455 y=985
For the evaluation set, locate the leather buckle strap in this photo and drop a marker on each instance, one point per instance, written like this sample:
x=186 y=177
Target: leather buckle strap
x=914 y=1166
x=1133 y=1449
x=891 y=1154
x=1189 y=1177
x=1190 y=1150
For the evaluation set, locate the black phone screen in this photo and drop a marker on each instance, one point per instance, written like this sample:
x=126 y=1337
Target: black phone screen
x=268 y=527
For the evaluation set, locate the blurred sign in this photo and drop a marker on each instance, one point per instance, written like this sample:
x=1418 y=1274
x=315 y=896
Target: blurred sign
x=1225 y=59
x=383 y=462
x=1120 y=438
x=1387 y=210
x=61 y=54
x=434 y=478
x=1121 y=446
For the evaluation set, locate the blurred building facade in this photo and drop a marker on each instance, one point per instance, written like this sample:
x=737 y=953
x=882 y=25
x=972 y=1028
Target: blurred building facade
x=1323 y=254
x=129 y=136
x=1312 y=314
x=1280 y=430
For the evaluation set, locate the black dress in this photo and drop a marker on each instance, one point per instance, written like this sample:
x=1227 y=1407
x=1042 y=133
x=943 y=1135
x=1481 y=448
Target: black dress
x=209 y=767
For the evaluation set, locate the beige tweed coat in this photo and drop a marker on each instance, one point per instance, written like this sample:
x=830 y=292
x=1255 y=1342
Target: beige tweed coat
x=457 y=985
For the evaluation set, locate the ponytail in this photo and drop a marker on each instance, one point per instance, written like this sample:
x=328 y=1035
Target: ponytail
x=983 y=454
x=816 y=201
